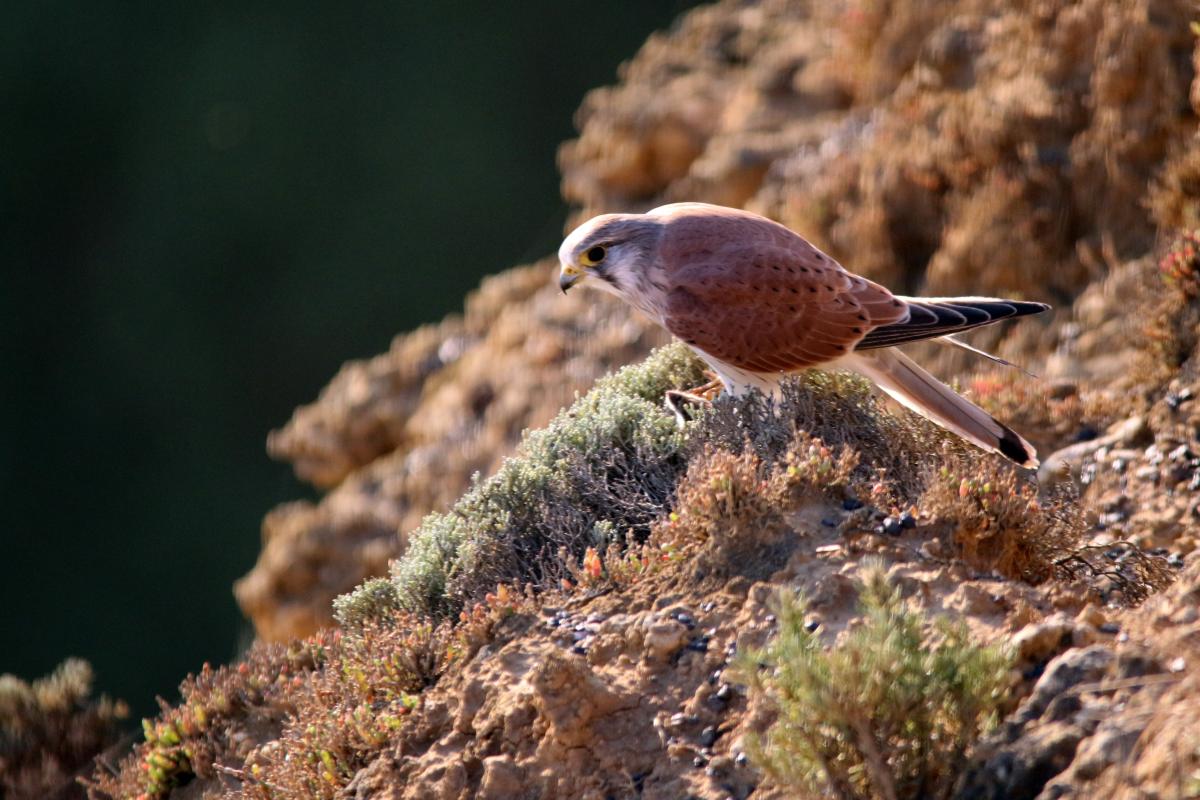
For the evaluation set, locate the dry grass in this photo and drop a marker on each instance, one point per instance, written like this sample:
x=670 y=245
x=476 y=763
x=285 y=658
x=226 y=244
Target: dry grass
x=221 y=714
x=998 y=521
x=731 y=509
x=51 y=729
x=351 y=708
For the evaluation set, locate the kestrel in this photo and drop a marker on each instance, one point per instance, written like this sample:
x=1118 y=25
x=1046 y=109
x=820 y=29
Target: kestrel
x=758 y=302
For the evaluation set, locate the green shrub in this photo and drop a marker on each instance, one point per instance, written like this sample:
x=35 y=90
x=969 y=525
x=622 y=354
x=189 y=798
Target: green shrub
x=373 y=600
x=612 y=461
x=609 y=462
x=888 y=712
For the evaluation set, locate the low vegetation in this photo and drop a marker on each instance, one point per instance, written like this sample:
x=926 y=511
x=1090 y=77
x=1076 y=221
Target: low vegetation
x=731 y=508
x=51 y=729
x=211 y=724
x=889 y=712
x=613 y=457
x=613 y=490
x=1175 y=320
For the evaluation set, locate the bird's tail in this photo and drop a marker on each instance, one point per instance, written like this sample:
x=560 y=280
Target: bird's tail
x=917 y=390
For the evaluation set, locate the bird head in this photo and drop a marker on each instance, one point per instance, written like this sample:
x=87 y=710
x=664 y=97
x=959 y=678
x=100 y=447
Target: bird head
x=611 y=251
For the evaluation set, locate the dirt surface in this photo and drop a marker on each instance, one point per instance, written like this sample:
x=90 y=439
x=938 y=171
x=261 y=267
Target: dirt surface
x=626 y=694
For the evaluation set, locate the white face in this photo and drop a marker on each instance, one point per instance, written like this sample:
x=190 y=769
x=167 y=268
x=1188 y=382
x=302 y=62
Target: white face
x=583 y=256
x=608 y=252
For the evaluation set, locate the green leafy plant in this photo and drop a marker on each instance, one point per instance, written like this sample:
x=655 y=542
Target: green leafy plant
x=610 y=461
x=888 y=712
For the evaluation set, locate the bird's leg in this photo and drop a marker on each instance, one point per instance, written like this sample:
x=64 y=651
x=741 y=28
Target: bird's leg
x=676 y=400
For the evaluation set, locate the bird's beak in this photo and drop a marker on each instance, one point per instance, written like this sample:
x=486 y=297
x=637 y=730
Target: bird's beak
x=569 y=277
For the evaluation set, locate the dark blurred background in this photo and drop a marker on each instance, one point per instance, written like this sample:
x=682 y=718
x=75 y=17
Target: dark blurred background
x=205 y=210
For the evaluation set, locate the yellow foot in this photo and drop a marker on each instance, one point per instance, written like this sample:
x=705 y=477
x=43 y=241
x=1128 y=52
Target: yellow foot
x=677 y=401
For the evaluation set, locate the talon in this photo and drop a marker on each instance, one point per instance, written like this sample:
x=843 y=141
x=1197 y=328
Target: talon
x=708 y=391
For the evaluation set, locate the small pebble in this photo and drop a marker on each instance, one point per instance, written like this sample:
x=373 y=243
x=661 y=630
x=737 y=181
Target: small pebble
x=1175 y=560
x=907 y=520
x=708 y=736
x=1110 y=628
x=852 y=504
x=707 y=607
x=770 y=619
x=892 y=526
x=1087 y=474
x=686 y=619
x=1180 y=453
x=699 y=761
x=579 y=650
x=811 y=626
x=699 y=644
x=725 y=692
x=741 y=759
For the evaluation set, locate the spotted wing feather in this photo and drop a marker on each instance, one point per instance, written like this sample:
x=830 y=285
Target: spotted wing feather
x=781 y=307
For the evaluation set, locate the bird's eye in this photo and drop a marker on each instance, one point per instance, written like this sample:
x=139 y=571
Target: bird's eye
x=593 y=256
